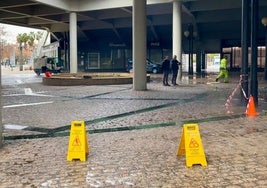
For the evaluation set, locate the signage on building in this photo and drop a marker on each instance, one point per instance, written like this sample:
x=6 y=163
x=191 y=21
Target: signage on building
x=51 y=47
x=155 y=44
x=117 y=45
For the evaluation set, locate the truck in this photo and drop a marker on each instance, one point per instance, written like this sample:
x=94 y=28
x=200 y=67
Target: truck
x=48 y=60
x=44 y=64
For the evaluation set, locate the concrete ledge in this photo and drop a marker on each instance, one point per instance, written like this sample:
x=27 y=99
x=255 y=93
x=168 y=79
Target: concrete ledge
x=69 y=79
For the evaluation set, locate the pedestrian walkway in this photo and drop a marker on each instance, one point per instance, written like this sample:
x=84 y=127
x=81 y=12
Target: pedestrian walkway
x=133 y=136
x=9 y=70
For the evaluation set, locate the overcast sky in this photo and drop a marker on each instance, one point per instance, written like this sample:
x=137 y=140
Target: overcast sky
x=12 y=32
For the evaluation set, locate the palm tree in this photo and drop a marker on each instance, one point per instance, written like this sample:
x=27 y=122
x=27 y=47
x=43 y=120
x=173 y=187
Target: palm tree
x=38 y=35
x=22 y=39
x=31 y=39
x=27 y=41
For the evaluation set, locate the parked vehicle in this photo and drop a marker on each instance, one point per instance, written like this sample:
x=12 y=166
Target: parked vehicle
x=48 y=59
x=44 y=64
x=150 y=66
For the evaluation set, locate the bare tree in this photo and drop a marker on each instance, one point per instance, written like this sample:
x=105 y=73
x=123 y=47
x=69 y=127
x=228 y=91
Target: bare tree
x=2 y=33
x=2 y=42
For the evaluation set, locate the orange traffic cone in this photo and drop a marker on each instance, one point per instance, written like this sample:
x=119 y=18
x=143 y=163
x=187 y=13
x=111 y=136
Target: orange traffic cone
x=251 y=109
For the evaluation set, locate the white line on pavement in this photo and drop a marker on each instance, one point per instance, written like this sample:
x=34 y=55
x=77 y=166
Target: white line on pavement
x=14 y=127
x=28 y=104
x=28 y=91
x=19 y=81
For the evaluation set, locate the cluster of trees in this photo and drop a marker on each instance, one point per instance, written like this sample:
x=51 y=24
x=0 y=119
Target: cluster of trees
x=23 y=49
x=26 y=40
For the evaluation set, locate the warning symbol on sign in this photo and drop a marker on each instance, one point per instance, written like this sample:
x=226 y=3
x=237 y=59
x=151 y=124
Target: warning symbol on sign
x=191 y=146
x=76 y=142
x=193 y=143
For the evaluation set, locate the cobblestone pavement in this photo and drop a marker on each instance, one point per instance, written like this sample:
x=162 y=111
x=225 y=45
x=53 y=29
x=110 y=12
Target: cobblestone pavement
x=133 y=136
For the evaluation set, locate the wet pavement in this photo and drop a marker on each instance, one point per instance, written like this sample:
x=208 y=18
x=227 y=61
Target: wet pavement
x=133 y=136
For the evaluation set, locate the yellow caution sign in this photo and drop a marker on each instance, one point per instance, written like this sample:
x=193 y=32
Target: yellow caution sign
x=78 y=146
x=191 y=146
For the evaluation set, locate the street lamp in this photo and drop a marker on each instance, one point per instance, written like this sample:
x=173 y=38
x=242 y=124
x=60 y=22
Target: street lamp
x=264 y=23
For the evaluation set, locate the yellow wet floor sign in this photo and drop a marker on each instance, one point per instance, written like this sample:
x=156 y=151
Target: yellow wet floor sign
x=78 y=146
x=191 y=146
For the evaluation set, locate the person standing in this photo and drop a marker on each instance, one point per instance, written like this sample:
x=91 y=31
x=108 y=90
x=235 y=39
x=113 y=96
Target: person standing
x=166 y=70
x=175 y=67
x=223 y=70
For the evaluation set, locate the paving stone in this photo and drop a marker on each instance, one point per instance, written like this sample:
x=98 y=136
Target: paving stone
x=144 y=156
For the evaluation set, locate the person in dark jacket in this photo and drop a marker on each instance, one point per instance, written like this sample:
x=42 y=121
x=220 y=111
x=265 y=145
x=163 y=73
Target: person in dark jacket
x=166 y=70
x=175 y=67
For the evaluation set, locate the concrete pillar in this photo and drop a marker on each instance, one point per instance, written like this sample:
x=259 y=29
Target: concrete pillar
x=73 y=43
x=177 y=34
x=139 y=45
x=1 y=126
